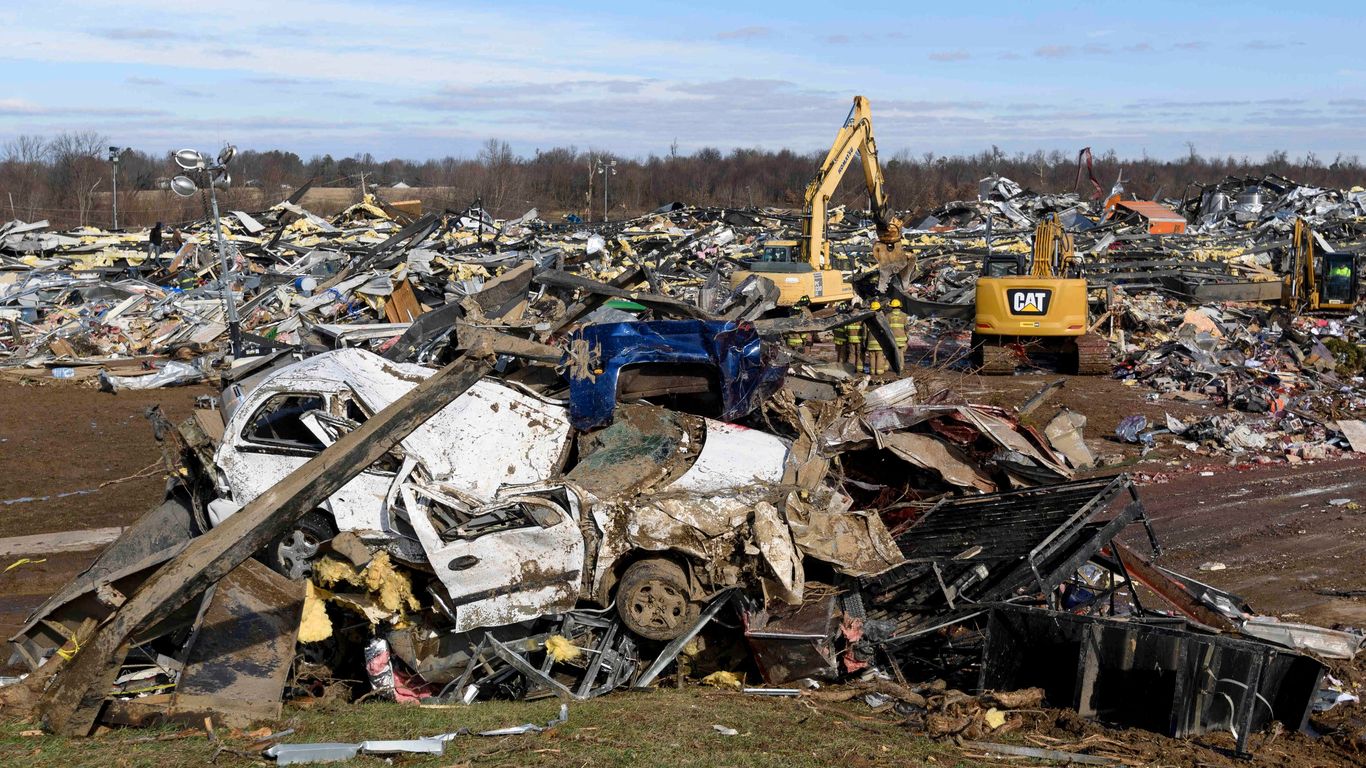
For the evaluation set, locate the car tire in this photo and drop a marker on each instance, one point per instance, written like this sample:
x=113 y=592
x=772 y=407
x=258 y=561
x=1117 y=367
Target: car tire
x=654 y=601
x=292 y=554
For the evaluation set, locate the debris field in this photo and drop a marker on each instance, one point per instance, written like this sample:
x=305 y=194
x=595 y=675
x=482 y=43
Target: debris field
x=448 y=458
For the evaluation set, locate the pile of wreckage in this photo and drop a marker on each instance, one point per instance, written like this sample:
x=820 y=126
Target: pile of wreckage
x=530 y=520
x=462 y=458
x=1195 y=315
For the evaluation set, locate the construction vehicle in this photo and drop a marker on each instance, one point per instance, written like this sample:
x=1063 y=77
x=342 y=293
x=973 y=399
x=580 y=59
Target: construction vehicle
x=1036 y=303
x=804 y=268
x=1318 y=281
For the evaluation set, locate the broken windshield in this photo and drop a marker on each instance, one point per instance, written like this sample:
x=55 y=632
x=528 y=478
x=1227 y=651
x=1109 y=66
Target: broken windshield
x=279 y=422
x=642 y=447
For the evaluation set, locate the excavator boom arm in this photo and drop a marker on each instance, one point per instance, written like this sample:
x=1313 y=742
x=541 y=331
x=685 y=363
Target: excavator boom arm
x=855 y=136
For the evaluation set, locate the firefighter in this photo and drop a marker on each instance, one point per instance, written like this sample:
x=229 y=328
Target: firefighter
x=897 y=319
x=853 y=345
x=796 y=340
x=840 y=335
x=872 y=357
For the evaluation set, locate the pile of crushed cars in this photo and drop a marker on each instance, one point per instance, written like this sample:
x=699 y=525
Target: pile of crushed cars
x=466 y=459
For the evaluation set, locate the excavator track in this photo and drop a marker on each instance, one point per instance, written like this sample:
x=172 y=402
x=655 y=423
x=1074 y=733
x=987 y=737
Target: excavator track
x=991 y=357
x=1093 y=355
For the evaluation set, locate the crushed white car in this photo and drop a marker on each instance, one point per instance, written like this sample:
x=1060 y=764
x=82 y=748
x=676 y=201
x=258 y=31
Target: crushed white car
x=518 y=517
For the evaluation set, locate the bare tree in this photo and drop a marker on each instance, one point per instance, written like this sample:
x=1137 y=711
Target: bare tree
x=498 y=162
x=23 y=173
x=67 y=179
x=77 y=169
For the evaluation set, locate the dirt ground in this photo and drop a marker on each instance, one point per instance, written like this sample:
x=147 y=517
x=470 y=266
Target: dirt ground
x=66 y=438
x=59 y=442
x=1275 y=531
x=1282 y=543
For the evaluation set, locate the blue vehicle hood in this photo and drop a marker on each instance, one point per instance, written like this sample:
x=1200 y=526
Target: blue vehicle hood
x=747 y=377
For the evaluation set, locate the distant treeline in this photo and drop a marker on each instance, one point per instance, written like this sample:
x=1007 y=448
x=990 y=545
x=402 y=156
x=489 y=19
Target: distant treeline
x=67 y=178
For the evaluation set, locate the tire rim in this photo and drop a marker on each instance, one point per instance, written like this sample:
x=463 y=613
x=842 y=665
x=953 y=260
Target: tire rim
x=658 y=605
x=296 y=553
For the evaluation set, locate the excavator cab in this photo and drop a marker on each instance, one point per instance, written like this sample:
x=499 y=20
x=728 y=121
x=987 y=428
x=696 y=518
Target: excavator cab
x=1003 y=265
x=781 y=252
x=1339 y=281
x=1318 y=280
x=782 y=263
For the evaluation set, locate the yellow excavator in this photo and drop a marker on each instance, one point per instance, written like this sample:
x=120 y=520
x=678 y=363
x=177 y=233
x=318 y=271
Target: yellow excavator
x=803 y=269
x=1041 y=304
x=1318 y=282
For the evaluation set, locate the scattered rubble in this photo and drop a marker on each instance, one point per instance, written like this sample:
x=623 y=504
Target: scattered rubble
x=463 y=458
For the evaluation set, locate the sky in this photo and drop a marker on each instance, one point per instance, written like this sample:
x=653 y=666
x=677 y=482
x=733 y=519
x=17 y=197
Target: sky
x=418 y=80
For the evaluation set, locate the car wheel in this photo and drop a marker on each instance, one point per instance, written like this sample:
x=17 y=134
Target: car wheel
x=292 y=554
x=653 y=600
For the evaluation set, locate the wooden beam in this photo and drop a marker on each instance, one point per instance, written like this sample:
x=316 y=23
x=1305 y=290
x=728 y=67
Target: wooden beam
x=591 y=301
x=72 y=703
x=655 y=301
x=474 y=337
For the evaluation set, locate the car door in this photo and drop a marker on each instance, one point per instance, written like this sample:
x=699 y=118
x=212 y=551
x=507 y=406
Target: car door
x=266 y=440
x=360 y=504
x=274 y=438
x=515 y=559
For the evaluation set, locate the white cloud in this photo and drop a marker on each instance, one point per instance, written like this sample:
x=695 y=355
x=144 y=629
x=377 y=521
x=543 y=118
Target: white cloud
x=19 y=107
x=136 y=33
x=429 y=79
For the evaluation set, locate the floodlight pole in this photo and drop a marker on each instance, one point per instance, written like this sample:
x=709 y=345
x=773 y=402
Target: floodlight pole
x=234 y=327
x=605 y=168
x=194 y=163
x=114 y=159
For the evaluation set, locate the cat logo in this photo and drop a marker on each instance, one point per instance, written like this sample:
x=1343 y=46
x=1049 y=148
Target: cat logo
x=1028 y=301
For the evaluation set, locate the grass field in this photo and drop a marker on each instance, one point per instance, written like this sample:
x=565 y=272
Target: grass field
x=635 y=729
